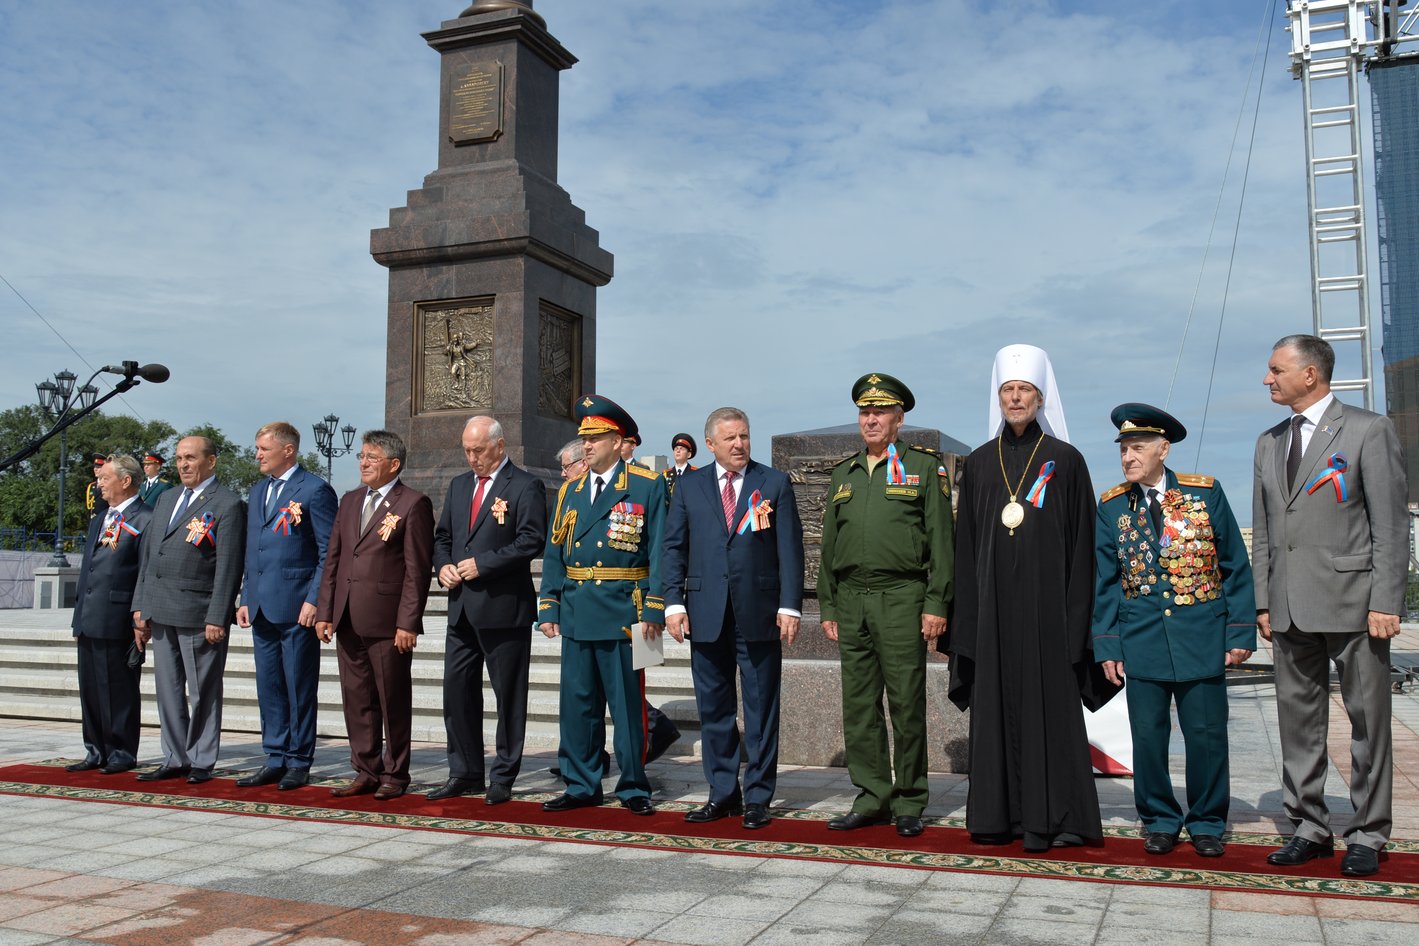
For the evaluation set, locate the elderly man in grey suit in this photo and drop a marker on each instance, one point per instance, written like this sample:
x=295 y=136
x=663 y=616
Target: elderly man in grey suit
x=1330 y=555
x=184 y=602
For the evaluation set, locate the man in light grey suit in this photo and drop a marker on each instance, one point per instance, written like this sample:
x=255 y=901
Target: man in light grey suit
x=184 y=602
x=1330 y=555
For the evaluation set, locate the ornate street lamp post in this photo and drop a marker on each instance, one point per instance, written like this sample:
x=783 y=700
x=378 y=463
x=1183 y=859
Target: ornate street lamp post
x=325 y=431
x=55 y=399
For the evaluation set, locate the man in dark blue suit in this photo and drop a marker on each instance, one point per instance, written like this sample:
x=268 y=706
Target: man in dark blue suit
x=103 y=623
x=733 y=567
x=493 y=524
x=288 y=527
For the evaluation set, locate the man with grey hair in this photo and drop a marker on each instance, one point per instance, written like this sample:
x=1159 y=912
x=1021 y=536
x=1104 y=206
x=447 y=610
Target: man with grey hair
x=573 y=460
x=109 y=704
x=1330 y=555
x=493 y=524
x=184 y=602
x=372 y=594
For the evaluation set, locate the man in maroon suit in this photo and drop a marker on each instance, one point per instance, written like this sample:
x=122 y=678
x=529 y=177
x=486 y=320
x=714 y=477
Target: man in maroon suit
x=372 y=596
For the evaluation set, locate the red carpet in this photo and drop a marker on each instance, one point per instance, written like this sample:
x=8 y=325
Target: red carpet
x=794 y=833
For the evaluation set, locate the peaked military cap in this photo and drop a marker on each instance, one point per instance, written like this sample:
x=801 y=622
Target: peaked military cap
x=686 y=441
x=1139 y=420
x=601 y=415
x=98 y=459
x=154 y=458
x=882 y=390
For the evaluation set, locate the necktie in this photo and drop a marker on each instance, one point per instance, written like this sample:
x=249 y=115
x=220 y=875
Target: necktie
x=109 y=520
x=596 y=490
x=273 y=489
x=371 y=502
x=477 y=499
x=1155 y=512
x=181 y=505
x=727 y=497
x=1293 y=452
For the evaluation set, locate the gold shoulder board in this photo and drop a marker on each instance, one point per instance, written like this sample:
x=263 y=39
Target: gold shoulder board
x=1118 y=490
x=638 y=470
x=1196 y=479
x=934 y=453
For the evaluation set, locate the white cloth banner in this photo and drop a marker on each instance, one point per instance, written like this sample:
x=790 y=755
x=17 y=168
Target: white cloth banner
x=1110 y=739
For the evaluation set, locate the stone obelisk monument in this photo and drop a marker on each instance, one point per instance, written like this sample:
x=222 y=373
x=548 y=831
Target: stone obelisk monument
x=492 y=269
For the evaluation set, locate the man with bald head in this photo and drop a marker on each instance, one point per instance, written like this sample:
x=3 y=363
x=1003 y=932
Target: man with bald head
x=184 y=603
x=494 y=523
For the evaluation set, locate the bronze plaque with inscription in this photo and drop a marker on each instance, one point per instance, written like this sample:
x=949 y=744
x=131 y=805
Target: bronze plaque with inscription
x=453 y=342
x=558 y=361
x=475 y=102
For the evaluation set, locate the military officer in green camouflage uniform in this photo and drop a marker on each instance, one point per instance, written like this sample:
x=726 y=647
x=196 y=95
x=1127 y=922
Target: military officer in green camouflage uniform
x=883 y=588
x=1173 y=608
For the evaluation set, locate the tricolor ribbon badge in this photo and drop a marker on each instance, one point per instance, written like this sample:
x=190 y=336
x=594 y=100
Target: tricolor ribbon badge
x=1036 y=495
x=122 y=526
x=290 y=516
x=756 y=517
x=1333 y=473
x=896 y=472
x=197 y=531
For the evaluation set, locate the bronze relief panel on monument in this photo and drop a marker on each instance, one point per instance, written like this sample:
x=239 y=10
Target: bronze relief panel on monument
x=453 y=345
x=558 y=361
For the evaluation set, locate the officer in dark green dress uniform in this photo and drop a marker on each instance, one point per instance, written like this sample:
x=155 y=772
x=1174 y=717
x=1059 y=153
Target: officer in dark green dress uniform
x=883 y=588
x=601 y=575
x=682 y=451
x=1174 y=607
x=153 y=484
x=93 y=496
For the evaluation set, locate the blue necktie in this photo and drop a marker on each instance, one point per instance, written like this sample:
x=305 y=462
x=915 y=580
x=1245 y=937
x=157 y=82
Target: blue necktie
x=181 y=506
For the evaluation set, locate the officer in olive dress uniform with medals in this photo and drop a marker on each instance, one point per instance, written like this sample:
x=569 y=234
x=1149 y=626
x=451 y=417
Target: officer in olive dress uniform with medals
x=1174 y=607
x=600 y=576
x=884 y=587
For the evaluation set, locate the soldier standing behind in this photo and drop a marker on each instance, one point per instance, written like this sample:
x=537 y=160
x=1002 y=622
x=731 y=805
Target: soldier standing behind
x=883 y=588
x=1173 y=608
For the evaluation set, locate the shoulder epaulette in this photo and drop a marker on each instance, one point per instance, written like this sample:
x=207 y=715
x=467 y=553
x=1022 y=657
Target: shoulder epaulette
x=845 y=459
x=1196 y=479
x=666 y=472
x=562 y=490
x=934 y=453
x=638 y=470
x=1118 y=490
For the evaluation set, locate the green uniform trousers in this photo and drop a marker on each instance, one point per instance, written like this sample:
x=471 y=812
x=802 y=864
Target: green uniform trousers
x=881 y=649
x=1202 y=717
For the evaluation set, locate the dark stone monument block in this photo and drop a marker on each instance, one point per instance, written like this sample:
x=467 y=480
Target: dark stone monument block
x=812 y=686
x=492 y=270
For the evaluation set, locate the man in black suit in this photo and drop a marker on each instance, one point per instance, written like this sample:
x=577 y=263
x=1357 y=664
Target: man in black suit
x=493 y=524
x=103 y=623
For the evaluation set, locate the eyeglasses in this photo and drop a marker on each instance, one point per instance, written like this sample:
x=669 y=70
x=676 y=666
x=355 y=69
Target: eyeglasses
x=572 y=465
x=370 y=458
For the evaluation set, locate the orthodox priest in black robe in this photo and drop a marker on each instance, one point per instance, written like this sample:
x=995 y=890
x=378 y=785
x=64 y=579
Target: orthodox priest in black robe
x=1019 y=641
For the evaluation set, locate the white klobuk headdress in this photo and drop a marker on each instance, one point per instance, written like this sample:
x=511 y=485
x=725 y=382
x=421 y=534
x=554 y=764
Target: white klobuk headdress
x=1031 y=364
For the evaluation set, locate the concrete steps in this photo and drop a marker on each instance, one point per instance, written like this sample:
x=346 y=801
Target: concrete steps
x=39 y=680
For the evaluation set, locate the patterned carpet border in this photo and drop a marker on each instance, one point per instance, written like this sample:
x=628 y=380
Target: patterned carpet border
x=1051 y=868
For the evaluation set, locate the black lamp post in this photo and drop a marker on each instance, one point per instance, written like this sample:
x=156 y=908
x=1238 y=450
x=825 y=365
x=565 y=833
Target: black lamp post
x=55 y=399
x=325 y=431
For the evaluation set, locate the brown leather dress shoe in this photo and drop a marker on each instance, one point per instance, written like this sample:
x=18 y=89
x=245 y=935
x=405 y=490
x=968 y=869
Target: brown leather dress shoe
x=386 y=792
x=357 y=787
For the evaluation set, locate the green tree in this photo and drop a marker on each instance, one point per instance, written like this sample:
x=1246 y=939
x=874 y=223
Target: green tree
x=29 y=491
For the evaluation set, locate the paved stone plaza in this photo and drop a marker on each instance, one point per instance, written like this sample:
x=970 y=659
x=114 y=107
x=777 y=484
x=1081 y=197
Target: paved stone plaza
x=85 y=872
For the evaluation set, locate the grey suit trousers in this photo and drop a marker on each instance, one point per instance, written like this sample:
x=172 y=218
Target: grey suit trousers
x=187 y=674
x=1303 y=703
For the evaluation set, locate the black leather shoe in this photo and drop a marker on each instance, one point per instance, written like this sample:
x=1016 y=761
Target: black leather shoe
x=756 y=816
x=660 y=742
x=714 y=810
x=498 y=793
x=639 y=805
x=1360 y=861
x=114 y=768
x=1208 y=845
x=1298 y=850
x=455 y=787
x=294 y=778
x=164 y=772
x=853 y=820
x=85 y=766
x=570 y=802
x=269 y=775
x=909 y=826
x=1160 y=842
x=198 y=776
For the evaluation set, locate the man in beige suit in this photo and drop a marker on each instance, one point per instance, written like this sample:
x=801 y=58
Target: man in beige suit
x=1330 y=555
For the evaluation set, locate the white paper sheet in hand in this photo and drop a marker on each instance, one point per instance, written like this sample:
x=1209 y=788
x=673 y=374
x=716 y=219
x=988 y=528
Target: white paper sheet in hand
x=646 y=653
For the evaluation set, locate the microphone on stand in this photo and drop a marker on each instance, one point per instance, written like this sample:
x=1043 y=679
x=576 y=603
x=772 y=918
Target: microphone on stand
x=154 y=373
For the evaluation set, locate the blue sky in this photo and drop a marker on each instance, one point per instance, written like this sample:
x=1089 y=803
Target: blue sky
x=796 y=193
